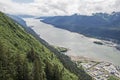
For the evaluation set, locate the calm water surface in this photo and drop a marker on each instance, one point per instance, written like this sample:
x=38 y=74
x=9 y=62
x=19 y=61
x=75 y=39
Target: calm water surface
x=78 y=44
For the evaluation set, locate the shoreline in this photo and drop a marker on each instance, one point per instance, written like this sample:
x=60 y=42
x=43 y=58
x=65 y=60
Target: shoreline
x=99 y=70
x=88 y=59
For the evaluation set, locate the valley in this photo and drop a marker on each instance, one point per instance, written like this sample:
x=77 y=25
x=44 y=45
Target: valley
x=59 y=40
x=78 y=45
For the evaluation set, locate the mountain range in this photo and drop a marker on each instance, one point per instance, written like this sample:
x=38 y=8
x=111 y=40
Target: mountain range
x=98 y=25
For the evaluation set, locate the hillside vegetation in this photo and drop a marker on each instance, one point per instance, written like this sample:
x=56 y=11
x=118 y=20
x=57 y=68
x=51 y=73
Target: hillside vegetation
x=23 y=57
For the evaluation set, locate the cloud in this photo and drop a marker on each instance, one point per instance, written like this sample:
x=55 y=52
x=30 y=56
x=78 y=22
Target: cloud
x=60 y=7
x=23 y=1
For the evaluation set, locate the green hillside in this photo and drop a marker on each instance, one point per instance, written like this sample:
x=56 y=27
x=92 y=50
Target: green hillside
x=23 y=57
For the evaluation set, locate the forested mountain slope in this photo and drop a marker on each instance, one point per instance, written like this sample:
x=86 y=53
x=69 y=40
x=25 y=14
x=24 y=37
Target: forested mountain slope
x=23 y=57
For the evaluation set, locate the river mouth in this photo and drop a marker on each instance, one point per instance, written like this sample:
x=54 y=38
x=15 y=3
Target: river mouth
x=78 y=45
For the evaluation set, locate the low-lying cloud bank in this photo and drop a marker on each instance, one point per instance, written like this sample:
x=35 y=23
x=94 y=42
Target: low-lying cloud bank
x=59 y=7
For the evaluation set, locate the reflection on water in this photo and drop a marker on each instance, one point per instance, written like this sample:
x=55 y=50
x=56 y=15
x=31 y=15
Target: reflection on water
x=78 y=44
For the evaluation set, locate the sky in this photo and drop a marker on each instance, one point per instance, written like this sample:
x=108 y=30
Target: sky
x=23 y=1
x=58 y=7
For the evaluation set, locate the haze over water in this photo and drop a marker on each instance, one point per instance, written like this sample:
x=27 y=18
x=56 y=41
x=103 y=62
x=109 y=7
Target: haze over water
x=77 y=44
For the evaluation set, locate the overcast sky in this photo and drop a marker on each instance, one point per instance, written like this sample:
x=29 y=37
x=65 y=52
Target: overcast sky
x=58 y=7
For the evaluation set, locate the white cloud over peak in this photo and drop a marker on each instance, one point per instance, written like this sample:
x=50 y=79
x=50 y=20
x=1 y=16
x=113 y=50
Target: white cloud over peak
x=60 y=7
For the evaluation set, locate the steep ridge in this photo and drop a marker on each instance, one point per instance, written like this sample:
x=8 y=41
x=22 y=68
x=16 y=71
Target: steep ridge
x=17 y=19
x=23 y=57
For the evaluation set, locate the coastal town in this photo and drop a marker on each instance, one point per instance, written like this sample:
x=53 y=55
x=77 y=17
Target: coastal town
x=99 y=70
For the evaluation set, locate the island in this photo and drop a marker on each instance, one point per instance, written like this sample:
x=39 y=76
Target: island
x=61 y=49
x=97 y=42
